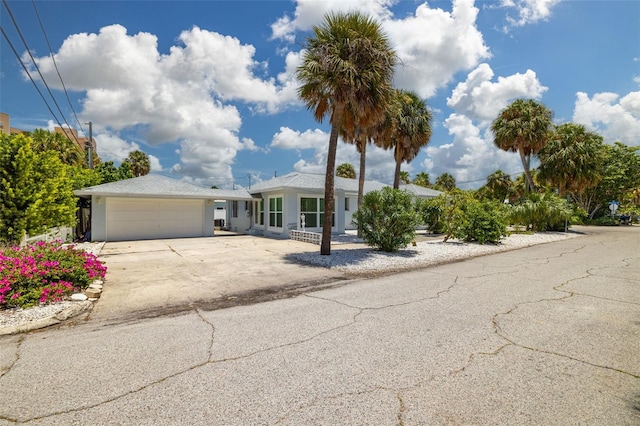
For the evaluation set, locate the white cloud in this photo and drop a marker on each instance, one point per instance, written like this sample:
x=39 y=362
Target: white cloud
x=472 y=155
x=528 y=11
x=311 y=12
x=432 y=45
x=113 y=148
x=312 y=148
x=182 y=97
x=481 y=99
x=615 y=118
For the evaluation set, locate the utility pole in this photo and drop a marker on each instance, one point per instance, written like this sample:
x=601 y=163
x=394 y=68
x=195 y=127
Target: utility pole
x=90 y=145
x=249 y=175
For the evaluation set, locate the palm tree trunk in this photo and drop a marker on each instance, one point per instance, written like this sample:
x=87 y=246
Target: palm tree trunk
x=363 y=151
x=396 y=176
x=527 y=172
x=325 y=246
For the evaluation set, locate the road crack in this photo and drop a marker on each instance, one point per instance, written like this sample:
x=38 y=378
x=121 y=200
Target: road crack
x=16 y=356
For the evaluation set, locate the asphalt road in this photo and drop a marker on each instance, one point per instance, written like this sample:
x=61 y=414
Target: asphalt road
x=544 y=335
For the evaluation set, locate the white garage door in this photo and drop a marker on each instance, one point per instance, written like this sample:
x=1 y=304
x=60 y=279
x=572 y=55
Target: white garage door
x=153 y=218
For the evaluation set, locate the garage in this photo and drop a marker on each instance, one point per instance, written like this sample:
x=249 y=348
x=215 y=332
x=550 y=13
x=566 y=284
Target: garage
x=153 y=218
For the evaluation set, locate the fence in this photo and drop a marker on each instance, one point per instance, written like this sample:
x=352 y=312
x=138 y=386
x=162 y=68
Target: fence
x=62 y=233
x=306 y=236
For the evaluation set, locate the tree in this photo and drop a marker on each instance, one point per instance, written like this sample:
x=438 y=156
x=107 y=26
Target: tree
x=422 y=179
x=108 y=172
x=139 y=163
x=620 y=176
x=406 y=129
x=572 y=159
x=346 y=170
x=35 y=191
x=404 y=177
x=67 y=150
x=498 y=187
x=345 y=73
x=445 y=182
x=524 y=127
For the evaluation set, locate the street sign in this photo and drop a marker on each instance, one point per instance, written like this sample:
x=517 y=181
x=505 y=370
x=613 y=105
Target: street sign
x=613 y=206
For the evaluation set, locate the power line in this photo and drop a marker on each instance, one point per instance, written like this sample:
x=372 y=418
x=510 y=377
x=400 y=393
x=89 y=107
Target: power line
x=56 y=66
x=15 y=23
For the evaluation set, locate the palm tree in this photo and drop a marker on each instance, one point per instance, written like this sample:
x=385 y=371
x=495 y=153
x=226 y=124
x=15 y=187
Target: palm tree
x=68 y=151
x=499 y=186
x=445 y=182
x=139 y=163
x=572 y=159
x=346 y=170
x=404 y=177
x=422 y=179
x=345 y=73
x=406 y=129
x=524 y=127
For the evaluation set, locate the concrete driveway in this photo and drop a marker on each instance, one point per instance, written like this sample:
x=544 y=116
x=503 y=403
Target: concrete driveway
x=154 y=277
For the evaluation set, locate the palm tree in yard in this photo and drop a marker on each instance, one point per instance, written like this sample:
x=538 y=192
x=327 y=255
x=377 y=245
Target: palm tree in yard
x=346 y=170
x=524 y=127
x=139 y=163
x=345 y=73
x=572 y=159
x=445 y=182
x=406 y=129
x=404 y=177
x=499 y=186
x=422 y=179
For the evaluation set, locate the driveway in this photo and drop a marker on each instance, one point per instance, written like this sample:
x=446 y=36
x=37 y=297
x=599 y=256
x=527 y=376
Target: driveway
x=154 y=277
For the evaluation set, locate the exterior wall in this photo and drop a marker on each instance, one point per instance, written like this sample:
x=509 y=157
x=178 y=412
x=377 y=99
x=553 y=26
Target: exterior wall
x=99 y=218
x=348 y=214
x=242 y=220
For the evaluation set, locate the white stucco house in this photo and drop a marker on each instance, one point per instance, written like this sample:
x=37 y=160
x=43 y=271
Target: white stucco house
x=155 y=206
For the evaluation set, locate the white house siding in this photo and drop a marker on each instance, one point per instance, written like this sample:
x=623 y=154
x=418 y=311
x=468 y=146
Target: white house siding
x=150 y=218
x=348 y=214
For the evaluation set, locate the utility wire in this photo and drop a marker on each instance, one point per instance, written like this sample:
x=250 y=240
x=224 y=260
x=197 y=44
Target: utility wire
x=6 y=5
x=29 y=75
x=56 y=66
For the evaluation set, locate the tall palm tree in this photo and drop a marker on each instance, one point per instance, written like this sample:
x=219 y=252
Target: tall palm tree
x=524 y=127
x=139 y=163
x=572 y=159
x=345 y=73
x=422 y=179
x=406 y=129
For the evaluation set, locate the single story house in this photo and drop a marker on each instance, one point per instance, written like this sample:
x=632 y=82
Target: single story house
x=155 y=206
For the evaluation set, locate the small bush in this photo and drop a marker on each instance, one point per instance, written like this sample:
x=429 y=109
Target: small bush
x=45 y=273
x=607 y=221
x=387 y=219
x=541 y=212
x=431 y=210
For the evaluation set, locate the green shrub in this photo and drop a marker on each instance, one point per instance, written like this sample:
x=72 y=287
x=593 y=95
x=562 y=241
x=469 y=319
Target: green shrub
x=44 y=273
x=607 y=221
x=431 y=210
x=481 y=221
x=387 y=219
x=541 y=212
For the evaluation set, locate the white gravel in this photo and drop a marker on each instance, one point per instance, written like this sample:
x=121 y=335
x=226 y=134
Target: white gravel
x=367 y=260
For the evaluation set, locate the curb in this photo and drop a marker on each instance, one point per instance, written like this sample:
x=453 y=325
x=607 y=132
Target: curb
x=72 y=311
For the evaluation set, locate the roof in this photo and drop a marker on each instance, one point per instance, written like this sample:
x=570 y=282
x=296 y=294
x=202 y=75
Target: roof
x=153 y=185
x=421 y=191
x=312 y=182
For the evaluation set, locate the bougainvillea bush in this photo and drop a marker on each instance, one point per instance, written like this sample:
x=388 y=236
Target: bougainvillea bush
x=45 y=272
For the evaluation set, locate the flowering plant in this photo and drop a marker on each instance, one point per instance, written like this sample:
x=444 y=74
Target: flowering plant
x=45 y=272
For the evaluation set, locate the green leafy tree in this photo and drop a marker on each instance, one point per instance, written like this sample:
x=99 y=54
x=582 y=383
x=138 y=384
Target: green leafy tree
x=406 y=129
x=445 y=182
x=524 y=127
x=35 y=190
x=572 y=159
x=387 y=219
x=345 y=73
x=541 y=212
x=405 y=178
x=346 y=170
x=422 y=179
x=138 y=162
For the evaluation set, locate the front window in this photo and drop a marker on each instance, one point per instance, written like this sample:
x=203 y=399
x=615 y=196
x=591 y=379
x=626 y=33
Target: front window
x=275 y=212
x=259 y=212
x=313 y=211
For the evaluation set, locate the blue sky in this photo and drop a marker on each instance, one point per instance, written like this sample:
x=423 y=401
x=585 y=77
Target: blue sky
x=207 y=88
